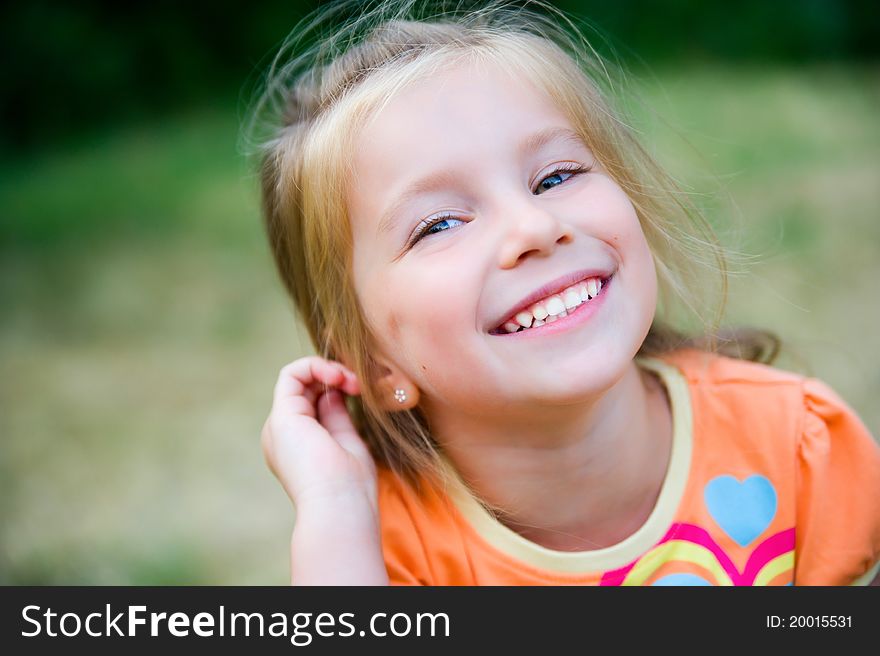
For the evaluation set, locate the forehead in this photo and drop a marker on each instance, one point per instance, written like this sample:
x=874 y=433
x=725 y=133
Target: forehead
x=469 y=99
x=463 y=118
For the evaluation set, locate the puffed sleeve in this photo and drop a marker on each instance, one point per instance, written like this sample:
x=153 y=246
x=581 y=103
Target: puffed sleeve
x=838 y=493
x=402 y=548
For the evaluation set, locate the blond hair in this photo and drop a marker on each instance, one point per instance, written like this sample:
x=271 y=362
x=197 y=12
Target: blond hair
x=314 y=105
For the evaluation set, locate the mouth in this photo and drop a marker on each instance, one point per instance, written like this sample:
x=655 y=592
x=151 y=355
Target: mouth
x=579 y=299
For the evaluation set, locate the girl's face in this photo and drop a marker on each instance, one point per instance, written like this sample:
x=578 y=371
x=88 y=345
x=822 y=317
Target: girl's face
x=464 y=149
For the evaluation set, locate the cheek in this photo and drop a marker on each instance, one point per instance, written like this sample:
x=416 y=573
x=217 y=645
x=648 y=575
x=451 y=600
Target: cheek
x=627 y=237
x=643 y=273
x=631 y=247
x=426 y=309
x=433 y=306
x=643 y=259
x=434 y=321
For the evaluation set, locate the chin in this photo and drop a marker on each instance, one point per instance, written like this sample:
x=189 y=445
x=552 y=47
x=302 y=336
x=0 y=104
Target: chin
x=591 y=373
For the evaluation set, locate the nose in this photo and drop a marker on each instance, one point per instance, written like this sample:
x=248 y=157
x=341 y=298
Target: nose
x=530 y=231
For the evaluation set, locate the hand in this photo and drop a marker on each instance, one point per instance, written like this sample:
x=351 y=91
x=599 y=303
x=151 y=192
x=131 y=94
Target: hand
x=309 y=441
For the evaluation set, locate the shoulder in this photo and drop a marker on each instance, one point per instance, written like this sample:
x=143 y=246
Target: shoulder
x=728 y=395
x=398 y=502
x=705 y=368
x=418 y=530
x=760 y=408
x=402 y=504
x=402 y=546
x=399 y=495
x=815 y=404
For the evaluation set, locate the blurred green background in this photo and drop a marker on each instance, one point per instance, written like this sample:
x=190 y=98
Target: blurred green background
x=142 y=325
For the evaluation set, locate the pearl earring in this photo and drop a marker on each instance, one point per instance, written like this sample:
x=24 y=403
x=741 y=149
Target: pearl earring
x=400 y=395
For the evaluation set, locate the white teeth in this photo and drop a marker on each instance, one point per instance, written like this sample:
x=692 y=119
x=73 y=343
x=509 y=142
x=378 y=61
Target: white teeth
x=582 y=292
x=571 y=299
x=592 y=287
x=524 y=319
x=555 y=305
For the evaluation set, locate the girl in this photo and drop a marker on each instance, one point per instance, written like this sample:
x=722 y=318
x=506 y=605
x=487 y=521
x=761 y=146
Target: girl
x=491 y=268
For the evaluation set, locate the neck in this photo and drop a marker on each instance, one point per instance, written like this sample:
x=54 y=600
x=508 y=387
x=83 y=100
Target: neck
x=581 y=477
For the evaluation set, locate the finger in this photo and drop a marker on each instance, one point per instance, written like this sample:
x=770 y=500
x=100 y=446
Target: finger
x=352 y=385
x=311 y=395
x=334 y=416
x=332 y=374
x=296 y=377
x=292 y=407
x=290 y=381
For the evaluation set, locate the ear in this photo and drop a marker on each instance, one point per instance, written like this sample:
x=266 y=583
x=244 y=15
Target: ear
x=396 y=390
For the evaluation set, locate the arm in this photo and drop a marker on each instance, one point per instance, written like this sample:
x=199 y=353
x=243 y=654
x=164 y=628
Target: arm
x=336 y=541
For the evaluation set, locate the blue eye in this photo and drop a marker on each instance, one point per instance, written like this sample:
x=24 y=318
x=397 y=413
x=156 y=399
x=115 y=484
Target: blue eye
x=427 y=227
x=557 y=173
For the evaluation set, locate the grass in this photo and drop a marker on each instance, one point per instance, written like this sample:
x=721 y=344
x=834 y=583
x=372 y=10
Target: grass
x=143 y=324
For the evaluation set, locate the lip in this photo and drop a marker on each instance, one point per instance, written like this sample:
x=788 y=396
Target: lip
x=579 y=315
x=549 y=289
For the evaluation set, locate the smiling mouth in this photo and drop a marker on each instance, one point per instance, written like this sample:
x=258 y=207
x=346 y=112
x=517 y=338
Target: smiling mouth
x=553 y=310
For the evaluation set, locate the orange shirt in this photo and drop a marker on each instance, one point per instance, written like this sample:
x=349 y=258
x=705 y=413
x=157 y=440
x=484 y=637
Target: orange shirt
x=772 y=480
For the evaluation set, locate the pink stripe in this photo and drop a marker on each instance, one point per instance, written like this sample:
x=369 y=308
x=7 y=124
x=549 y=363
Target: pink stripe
x=774 y=546
x=769 y=549
x=697 y=535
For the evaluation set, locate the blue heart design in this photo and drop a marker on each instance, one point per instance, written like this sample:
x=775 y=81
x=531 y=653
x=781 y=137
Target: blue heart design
x=743 y=510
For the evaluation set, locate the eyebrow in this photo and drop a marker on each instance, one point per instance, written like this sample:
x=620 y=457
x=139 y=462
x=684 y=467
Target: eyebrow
x=447 y=177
